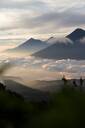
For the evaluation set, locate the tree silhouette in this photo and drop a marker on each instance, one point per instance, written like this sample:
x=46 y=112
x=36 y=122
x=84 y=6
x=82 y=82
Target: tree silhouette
x=3 y=68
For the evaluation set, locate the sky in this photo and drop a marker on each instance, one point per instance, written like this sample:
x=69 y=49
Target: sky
x=22 y=19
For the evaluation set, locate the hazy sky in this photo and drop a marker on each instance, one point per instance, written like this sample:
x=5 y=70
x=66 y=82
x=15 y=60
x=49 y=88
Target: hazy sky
x=40 y=18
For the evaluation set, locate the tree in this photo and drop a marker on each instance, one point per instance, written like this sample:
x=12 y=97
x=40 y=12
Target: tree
x=3 y=68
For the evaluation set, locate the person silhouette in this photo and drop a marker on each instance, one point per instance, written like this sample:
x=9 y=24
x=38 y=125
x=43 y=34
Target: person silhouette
x=81 y=83
x=74 y=83
x=64 y=80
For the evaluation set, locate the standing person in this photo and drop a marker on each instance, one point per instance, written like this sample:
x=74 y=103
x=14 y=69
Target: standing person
x=74 y=83
x=64 y=80
x=81 y=83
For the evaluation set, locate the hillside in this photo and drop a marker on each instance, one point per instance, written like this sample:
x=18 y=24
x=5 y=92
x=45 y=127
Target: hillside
x=28 y=93
x=65 y=108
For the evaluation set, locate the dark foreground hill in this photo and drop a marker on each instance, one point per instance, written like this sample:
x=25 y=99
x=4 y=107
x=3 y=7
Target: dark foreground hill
x=65 y=109
x=28 y=93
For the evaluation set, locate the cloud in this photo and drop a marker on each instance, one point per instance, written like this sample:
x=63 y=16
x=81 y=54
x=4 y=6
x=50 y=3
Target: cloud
x=82 y=40
x=69 y=66
x=41 y=17
x=52 y=68
x=46 y=23
x=59 y=40
x=21 y=5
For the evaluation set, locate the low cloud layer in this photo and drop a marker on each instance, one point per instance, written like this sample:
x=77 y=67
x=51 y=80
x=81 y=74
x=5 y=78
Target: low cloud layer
x=32 y=68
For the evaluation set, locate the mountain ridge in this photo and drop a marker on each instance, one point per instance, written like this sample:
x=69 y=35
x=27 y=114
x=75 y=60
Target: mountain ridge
x=76 y=50
x=76 y=35
x=70 y=47
x=30 y=46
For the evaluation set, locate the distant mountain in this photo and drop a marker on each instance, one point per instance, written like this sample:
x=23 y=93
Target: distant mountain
x=76 y=35
x=30 y=46
x=28 y=93
x=46 y=86
x=65 y=49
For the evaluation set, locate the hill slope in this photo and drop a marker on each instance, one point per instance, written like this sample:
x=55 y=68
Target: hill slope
x=28 y=93
x=65 y=108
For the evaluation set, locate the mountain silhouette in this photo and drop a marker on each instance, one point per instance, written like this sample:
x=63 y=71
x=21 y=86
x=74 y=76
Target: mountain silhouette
x=30 y=46
x=77 y=34
x=60 y=50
